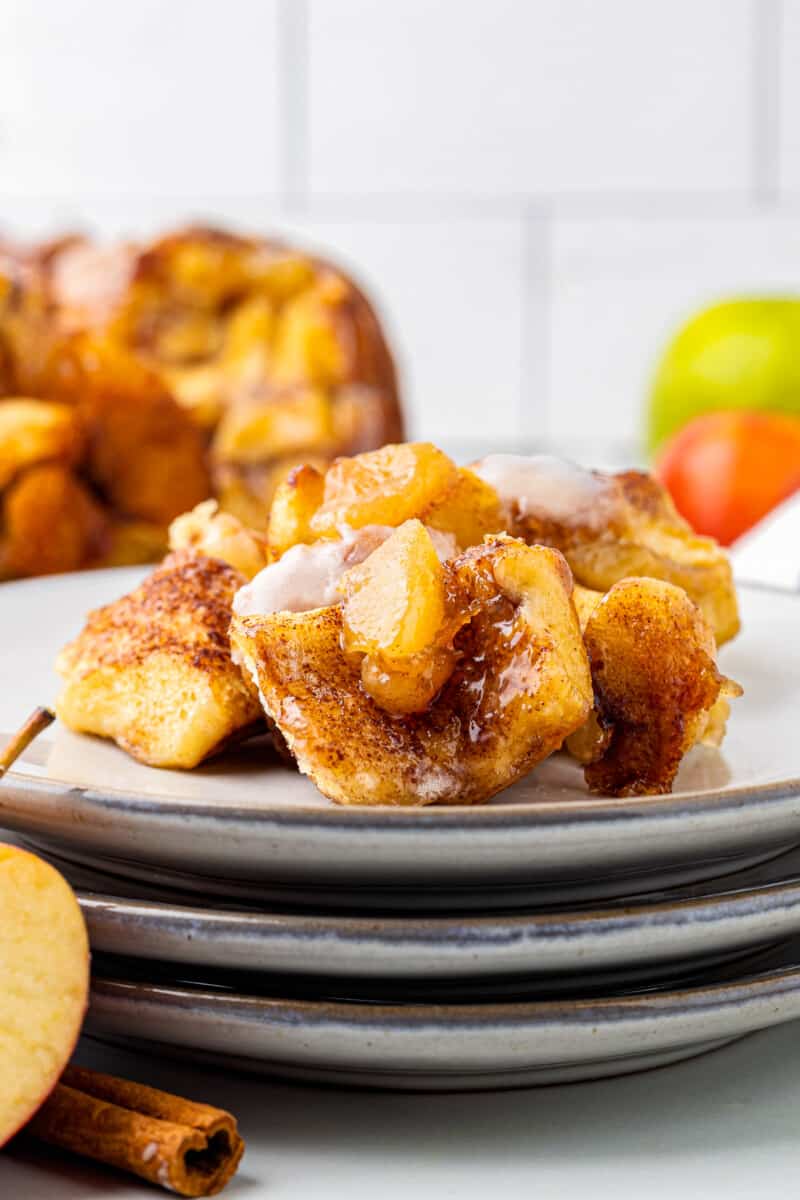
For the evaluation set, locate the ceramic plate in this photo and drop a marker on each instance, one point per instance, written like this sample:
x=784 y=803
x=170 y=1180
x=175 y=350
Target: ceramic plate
x=665 y=937
x=246 y=823
x=446 y=1046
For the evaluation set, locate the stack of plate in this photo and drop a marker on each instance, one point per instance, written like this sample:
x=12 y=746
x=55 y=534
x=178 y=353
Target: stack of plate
x=548 y=935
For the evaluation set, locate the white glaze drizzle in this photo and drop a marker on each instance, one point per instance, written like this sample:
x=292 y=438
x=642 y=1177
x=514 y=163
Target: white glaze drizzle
x=308 y=577
x=543 y=486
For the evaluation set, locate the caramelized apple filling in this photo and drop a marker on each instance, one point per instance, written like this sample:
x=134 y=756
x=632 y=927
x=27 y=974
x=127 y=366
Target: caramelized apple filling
x=294 y=504
x=385 y=487
x=401 y=612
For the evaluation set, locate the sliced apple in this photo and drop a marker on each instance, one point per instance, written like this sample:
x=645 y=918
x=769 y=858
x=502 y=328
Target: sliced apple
x=44 y=969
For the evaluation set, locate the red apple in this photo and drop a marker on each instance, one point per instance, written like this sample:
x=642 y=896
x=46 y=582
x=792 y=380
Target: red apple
x=727 y=470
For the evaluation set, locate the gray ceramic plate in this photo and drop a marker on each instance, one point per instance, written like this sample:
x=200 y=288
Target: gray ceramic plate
x=249 y=826
x=661 y=938
x=446 y=1046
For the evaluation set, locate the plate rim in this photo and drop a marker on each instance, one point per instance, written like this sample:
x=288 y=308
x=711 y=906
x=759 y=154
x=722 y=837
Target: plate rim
x=330 y=815
x=672 y=1002
x=363 y=926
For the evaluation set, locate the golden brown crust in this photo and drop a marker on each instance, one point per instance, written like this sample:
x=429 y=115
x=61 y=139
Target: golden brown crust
x=182 y=608
x=208 y=271
x=633 y=529
x=153 y=670
x=49 y=522
x=165 y=473
x=37 y=431
x=656 y=682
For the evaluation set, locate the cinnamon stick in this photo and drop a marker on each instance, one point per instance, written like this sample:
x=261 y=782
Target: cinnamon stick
x=192 y=1149
x=39 y=719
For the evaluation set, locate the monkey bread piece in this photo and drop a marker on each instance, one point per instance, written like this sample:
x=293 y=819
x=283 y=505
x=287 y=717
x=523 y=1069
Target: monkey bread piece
x=143 y=454
x=153 y=670
x=207 y=531
x=229 y=323
x=519 y=685
x=127 y=458
x=295 y=422
x=610 y=527
x=35 y=431
x=200 y=363
x=50 y=522
x=143 y=464
x=657 y=688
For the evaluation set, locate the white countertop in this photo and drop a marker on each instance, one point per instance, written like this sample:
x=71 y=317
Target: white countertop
x=724 y=1125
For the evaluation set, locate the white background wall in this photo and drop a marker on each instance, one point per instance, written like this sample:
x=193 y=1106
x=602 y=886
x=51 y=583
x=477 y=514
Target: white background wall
x=535 y=191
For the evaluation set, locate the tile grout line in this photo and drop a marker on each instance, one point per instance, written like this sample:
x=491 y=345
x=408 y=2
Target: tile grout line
x=293 y=83
x=766 y=102
x=435 y=207
x=536 y=321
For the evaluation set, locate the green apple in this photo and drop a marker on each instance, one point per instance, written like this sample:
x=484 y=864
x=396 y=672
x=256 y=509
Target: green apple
x=741 y=354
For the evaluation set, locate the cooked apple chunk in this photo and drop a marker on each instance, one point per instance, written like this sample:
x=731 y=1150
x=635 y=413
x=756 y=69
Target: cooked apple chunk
x=657 y=688
x=153 y=670
x=386 y=487
x=383 y=487
x=470 y=510
x=296 y=500
x=519 y=686
x=399 y=621
x=396 y=597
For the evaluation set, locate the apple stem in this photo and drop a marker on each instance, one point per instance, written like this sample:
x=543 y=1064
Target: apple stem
x=39 y=719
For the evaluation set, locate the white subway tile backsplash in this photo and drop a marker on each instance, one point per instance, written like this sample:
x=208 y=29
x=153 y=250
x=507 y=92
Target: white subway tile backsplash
x=789 y=96
x=621 y=288
x=551 y=96
x=535 y=191
x=146 y=98
x=450 y=293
